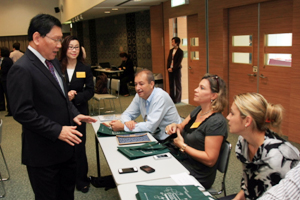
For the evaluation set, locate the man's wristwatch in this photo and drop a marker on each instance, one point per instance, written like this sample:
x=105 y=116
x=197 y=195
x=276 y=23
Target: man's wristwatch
x=182 y=149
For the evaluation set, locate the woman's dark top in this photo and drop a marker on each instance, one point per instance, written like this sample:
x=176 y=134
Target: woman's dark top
x=214 y=125
x=127 y=66
x=83 y=85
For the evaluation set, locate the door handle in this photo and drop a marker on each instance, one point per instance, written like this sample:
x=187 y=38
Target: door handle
x=262 y=76
x=254 y=75
x=190 y=67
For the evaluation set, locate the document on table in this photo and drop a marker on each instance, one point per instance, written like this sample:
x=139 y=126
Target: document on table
x=185 y=179
x=109 y=117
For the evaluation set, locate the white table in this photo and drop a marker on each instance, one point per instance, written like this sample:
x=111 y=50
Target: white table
x=163 y=168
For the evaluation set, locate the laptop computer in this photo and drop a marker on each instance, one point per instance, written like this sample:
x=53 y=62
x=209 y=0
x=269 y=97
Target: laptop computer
x=104 y=65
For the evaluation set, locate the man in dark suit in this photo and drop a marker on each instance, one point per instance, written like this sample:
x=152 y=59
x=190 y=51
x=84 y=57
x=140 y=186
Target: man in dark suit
x=39 y=101
x=174 y=68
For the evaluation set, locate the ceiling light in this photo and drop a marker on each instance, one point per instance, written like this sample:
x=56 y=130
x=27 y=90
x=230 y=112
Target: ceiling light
x=115 y=9
x=107 y=12
x=136 y=0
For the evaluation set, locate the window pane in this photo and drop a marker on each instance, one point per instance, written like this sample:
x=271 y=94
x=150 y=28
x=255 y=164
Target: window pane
x=195 y=55
x=195 y=41
x=184 y=41
x=245 y=58
x=242 y=40
x=281 y=39
x=284 y=60
x=185 y=54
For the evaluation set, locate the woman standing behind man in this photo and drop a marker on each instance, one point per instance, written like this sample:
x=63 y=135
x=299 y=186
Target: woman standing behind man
x=201 y=134
x=127 y=75
x=265 y=156
x=80 y=84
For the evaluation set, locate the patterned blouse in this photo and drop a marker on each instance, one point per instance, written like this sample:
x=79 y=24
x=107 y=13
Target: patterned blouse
x=274 y=158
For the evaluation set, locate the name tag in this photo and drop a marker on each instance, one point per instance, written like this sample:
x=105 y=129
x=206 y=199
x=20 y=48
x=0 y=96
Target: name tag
x=80 y=75
x=195 y=125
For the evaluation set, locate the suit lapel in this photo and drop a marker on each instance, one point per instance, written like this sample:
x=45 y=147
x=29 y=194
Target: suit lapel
x=37 y=62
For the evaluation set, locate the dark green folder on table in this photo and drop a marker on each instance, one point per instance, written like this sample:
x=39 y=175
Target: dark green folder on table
x=105 y=131
x=148 y=149
x=174 y=192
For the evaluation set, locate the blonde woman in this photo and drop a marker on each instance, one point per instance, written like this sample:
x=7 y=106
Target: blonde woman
x=201 y=134
x=265 y=156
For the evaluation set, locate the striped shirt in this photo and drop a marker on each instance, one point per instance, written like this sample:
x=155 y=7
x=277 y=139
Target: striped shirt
x=287 y=188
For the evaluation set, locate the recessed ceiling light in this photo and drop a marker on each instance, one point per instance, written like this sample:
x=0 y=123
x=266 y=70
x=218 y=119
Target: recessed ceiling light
x=136 y=0
x=107 y=12
x=115 y=9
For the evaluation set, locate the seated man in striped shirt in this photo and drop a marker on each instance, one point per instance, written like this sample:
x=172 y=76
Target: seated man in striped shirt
x=287 y=188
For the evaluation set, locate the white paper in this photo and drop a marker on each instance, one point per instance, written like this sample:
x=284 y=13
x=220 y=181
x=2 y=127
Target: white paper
x=103 y=118
x=186 y=179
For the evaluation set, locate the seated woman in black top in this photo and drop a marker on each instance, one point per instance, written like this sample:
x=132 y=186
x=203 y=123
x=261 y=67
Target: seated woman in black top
x=201 y=134
x=127 y=75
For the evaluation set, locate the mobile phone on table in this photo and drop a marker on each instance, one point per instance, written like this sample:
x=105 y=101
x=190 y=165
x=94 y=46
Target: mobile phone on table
x=161 y=156
x=147 y=169
x=128 y=170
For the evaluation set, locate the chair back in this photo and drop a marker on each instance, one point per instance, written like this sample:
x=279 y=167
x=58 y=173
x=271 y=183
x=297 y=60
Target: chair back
x=115 y=85
x=223 y=159
x=222 y=166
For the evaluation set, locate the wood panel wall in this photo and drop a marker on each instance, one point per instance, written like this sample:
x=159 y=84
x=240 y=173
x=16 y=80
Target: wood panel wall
x=294 y=123
x=218 y=45
x=157 y=44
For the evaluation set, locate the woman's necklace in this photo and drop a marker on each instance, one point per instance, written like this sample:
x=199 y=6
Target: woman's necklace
x=204 y=113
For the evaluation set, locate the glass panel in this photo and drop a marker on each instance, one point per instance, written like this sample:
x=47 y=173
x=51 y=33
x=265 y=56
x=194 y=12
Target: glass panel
x=245 y=58
x=195 y=55
x=184 y=41
x=277 y=40
x=242 y=40
x=195 y=41
x=185 y=54
x=284 y=60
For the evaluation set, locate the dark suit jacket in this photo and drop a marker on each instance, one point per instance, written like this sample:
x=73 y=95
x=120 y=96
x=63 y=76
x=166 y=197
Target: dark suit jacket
x=177 y=59
x=38 y=103
x=83 y=86
x=5 y=67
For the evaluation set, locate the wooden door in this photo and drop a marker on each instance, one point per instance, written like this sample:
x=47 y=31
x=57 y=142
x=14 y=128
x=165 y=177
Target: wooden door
x=195 y=70
x=275 y=18
x=270 y=80
x=242 y=54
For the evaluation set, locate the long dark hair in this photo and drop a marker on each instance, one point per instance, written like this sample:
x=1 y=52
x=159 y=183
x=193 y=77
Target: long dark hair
x=63 y=55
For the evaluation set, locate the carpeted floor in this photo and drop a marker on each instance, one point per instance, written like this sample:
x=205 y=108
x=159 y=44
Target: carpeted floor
x=18 y=187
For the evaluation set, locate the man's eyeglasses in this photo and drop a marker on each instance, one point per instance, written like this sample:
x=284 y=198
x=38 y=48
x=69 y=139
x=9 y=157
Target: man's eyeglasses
x=55 y=40
x=72 y=48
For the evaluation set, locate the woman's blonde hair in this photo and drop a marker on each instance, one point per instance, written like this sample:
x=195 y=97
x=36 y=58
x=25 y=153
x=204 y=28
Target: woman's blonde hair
x=217 y=85
x=265 y=115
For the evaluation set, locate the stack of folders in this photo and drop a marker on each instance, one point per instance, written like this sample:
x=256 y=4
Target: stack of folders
x=174 y=192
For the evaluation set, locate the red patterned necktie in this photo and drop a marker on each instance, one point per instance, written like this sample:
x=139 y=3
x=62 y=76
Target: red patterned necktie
x=51 y=69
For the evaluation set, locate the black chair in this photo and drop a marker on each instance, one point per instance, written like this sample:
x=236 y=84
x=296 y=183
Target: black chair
x=223 y=162
x=130 y=85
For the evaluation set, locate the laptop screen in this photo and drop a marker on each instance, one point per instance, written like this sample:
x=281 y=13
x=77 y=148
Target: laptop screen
x=104 y=65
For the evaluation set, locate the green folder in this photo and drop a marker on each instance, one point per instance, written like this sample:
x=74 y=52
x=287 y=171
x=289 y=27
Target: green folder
x=174 y=192
x=148 y=149
x=105 y=131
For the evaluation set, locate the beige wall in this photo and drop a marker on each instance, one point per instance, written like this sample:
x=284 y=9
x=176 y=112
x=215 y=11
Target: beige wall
x=72 y=8
x=15 y=15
